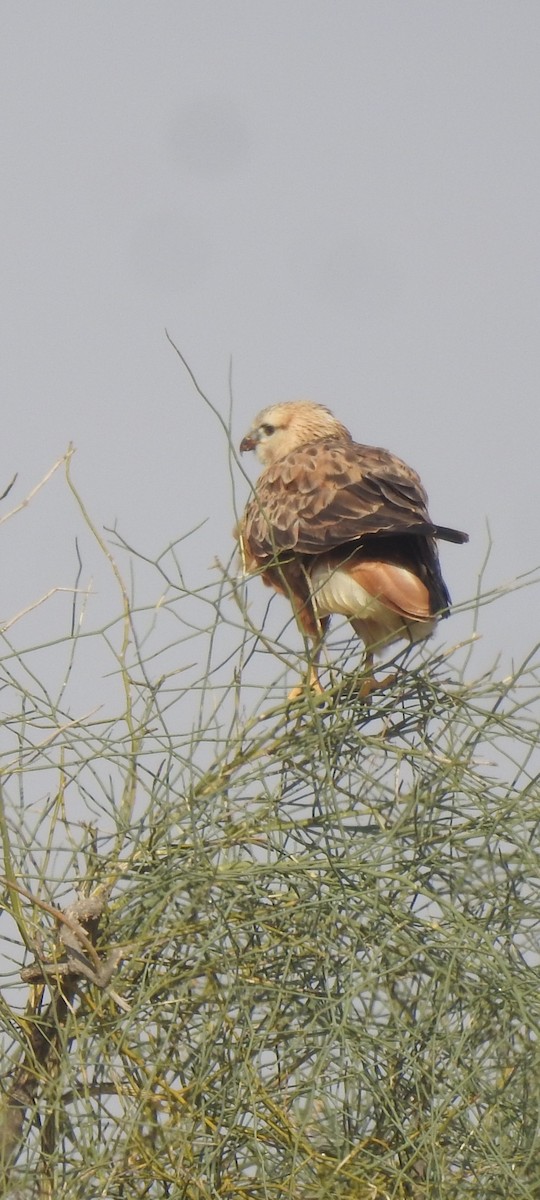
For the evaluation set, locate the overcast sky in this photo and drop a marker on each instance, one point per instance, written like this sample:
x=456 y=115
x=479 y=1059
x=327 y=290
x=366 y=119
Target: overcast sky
x=341 y=197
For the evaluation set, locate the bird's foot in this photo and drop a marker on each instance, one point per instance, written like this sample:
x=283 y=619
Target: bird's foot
x=369 y=684
x=312 y=686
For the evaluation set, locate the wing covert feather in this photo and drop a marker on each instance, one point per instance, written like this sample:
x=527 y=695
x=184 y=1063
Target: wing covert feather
x=330 y=492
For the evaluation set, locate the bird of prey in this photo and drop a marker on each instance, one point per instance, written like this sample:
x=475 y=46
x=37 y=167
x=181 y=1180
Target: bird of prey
x=339 y=527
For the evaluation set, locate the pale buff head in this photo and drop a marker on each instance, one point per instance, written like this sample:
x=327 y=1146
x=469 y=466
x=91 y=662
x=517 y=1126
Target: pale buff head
x=282 y=427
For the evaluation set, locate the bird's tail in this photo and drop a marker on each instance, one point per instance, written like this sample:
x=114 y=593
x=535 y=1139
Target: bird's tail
x=449 y=535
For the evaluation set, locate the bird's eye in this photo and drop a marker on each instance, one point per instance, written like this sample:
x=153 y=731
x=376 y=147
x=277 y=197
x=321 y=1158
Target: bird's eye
x=268 y=430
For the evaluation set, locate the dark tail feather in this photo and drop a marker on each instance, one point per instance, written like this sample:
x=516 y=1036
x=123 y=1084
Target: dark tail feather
x=435 y=531
x=449 y=535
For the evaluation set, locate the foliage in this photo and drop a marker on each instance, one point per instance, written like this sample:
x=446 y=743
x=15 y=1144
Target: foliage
x=268 y=949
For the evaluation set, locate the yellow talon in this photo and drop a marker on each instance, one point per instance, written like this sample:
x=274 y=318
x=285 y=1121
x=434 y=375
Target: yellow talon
x=371 y=684
x=313 y=684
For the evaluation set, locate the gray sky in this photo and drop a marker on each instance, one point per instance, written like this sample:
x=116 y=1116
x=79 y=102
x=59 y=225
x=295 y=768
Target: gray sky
x=343 y=197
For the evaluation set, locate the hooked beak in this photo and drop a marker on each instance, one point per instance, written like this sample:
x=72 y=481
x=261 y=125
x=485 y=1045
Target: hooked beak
x=248 y=443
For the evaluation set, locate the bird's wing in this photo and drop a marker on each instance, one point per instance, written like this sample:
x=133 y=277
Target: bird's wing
x=332 y=491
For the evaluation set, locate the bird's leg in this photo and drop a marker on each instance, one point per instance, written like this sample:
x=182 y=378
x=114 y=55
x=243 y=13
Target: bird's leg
x=313 y=683
x=369 y=683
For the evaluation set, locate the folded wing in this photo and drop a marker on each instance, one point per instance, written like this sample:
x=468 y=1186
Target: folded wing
x=331 y=492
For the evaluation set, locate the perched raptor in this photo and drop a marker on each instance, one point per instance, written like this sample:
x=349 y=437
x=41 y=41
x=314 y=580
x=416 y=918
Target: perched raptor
x=341 y=528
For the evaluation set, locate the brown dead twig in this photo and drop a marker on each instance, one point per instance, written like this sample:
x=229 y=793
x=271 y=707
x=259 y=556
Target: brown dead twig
x=74 y=961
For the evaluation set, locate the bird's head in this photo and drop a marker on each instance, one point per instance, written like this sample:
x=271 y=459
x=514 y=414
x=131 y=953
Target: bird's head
x=282 y=427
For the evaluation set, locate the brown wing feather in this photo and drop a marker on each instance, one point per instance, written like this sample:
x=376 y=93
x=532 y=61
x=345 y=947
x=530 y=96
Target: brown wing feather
x=329 y=492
